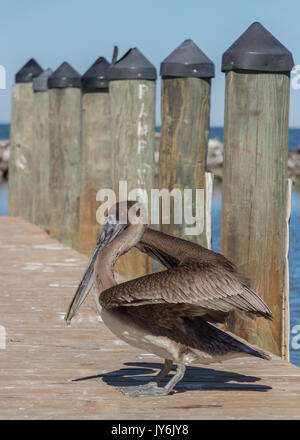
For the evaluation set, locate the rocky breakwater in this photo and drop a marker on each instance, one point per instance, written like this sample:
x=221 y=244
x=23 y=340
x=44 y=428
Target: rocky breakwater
x=294 y=166
x=215 y=161
x=215 y=158
x=4 y=159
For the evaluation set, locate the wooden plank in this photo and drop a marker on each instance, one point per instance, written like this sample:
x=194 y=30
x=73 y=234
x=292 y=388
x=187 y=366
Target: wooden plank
x=41 y=170
x=254 y=201
x=96 y=159
x=21 y=151
x=133 y=126
x=184 y=138
x=51 y=371
x=65 y=163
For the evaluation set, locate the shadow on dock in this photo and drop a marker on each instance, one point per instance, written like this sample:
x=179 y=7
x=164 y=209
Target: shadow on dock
x=196 y=378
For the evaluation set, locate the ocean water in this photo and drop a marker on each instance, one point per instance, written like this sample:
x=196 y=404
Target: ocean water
x=4 y=131
x=3 y=198
x=294 y=250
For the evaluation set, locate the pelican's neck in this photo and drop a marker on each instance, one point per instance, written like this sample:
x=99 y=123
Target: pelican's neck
x=105 y=263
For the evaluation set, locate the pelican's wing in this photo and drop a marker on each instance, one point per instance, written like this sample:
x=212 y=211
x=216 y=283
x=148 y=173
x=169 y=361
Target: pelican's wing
x=163 y=247
x=197 y=287
x=173 y=251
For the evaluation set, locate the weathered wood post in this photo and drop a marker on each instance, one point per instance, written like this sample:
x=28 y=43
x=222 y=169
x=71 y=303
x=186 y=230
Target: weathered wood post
x=65 y=153
x=41 y=172
x=96 y=171
x=132 y=99
x=22 y=142
x=186 y=86
x=254 y=227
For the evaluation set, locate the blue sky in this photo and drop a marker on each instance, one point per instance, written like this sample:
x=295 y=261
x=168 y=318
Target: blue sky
x=81 y=31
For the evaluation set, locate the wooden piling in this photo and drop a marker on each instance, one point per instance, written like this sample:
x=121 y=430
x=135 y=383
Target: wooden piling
x=41 y=169
x=132 y=103
x=22 y=143
x=186 y=87
x=254 y=231
x=65 y=153
x=96 y=171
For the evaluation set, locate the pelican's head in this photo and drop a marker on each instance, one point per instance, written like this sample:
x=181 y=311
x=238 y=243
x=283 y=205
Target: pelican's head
x=119 y=217
x=127 y=212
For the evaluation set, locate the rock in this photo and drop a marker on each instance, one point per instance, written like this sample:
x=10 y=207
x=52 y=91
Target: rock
x=215 y=157
x=4 y=158
x=215 y=161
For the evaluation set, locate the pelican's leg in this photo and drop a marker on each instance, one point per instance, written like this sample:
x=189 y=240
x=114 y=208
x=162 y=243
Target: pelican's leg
x=154 y=389
x=180 y=371
x=164 y=371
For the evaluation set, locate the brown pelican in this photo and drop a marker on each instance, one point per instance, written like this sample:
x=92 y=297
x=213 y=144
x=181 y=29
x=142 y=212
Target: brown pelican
x=170 y=313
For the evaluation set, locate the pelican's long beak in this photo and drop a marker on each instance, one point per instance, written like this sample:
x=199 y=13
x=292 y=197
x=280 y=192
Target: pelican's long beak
x=108 y=234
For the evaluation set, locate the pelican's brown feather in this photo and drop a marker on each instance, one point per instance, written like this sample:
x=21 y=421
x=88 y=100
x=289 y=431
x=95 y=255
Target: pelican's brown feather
x=206 y=285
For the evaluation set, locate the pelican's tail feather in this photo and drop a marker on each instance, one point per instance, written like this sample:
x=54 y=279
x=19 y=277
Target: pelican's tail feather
x=212 y=340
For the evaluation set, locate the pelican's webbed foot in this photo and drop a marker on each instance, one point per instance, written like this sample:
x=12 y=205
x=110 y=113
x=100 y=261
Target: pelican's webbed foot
x=152 y=389
x=149 y=389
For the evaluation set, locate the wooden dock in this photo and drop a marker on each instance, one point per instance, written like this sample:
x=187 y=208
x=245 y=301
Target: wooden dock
x=51 y=371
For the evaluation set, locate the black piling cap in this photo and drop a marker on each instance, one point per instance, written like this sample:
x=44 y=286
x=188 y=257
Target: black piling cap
x=63 y=77
x=133 y=65
x=257 y=49
x=29 y=71
x=96 y=76
x=187 y=61
x=40 y=83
